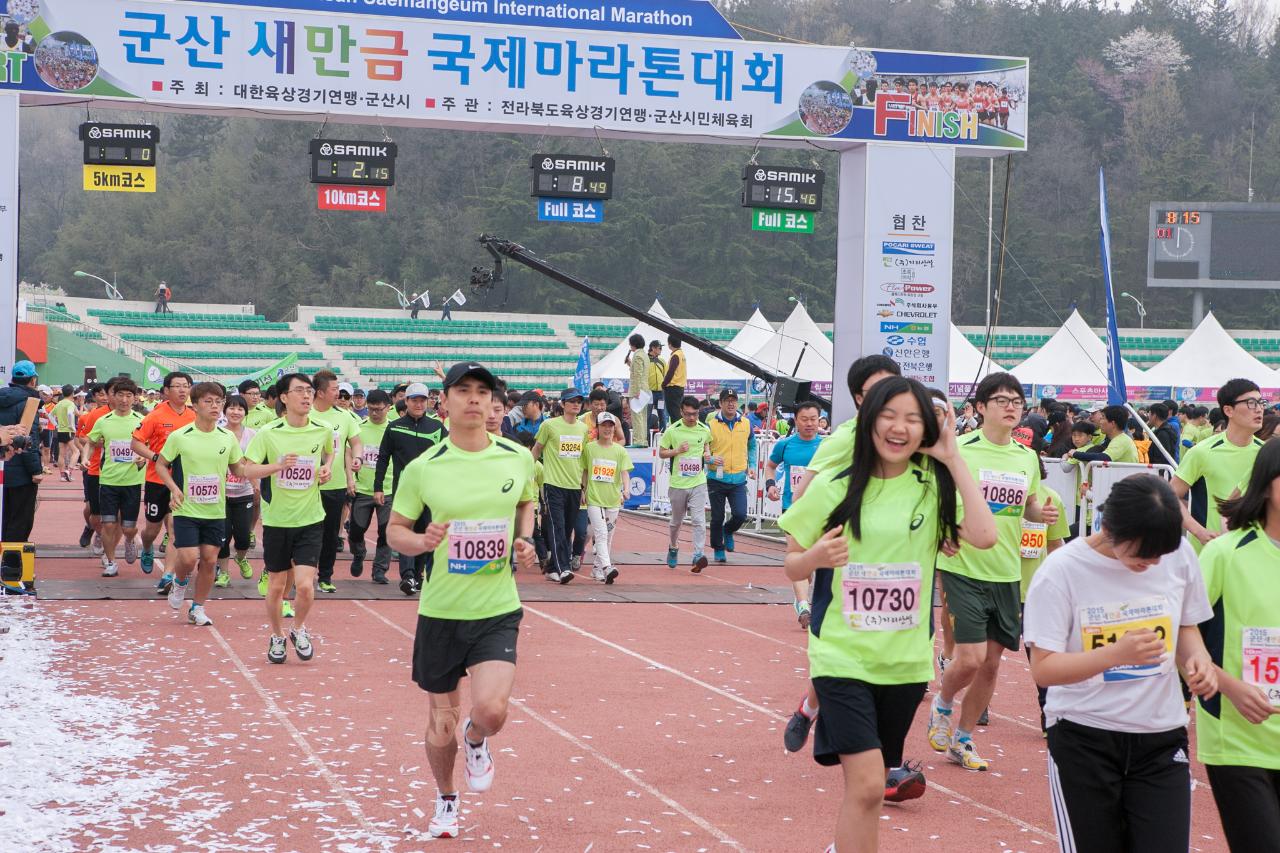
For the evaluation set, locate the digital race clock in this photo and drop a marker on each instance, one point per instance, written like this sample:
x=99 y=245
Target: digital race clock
x=352 y=163
x=571 y=176
x=119 y=144
x=782 y=187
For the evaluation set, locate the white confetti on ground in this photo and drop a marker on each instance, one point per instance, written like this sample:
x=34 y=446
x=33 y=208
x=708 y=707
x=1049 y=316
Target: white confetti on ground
x=68 y=762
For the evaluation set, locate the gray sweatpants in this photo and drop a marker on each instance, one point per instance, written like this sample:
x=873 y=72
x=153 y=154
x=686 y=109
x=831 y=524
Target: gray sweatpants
x=695 y=501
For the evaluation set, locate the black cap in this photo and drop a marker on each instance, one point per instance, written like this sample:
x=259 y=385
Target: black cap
x=728 y=394
x=463 y=369
x=531 y=397
x=570 y=394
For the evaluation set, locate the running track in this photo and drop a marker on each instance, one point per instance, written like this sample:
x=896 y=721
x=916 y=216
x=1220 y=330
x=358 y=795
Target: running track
x=633 y=727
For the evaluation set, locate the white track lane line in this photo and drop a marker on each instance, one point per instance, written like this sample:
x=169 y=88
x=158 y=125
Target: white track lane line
x=1018 y=822
x=1007 y=719
x=697 y=820
x=376 y=836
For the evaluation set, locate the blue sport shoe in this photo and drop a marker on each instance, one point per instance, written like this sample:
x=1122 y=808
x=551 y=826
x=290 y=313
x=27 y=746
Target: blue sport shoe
x=148 y=560
x=728 y=542
x=165 y=584
x=720 y=557
x=673 y=557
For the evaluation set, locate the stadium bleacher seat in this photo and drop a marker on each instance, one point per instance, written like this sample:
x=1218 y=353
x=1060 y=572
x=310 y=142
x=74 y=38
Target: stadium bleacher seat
x=446 y=327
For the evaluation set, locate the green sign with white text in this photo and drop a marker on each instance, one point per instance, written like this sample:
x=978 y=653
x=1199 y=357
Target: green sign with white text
x=784 y=221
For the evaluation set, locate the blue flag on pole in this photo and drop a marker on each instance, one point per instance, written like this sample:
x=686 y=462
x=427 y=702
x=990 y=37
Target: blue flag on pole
x=582 y=373
x=1117 y=393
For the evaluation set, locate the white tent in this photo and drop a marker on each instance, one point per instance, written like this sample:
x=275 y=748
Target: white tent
x=798 y=342
x=967 y=364
x=613 y=368
x=751 y=337
x=1075 y=355
x=1207 y=358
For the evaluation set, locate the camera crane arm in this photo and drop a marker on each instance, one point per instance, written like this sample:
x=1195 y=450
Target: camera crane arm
x=502 y=249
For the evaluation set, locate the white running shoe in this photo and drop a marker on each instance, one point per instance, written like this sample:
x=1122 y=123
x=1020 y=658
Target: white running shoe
x=196 y=615
x=177 y=592
x=444 y=823
x=97 y=544
x=575 y=563
x=130 y=551
x=479 y=763
x=597 y=574
x=109 y=569
x=302 y=643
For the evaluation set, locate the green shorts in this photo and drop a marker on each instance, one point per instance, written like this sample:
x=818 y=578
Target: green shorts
x=983 y=610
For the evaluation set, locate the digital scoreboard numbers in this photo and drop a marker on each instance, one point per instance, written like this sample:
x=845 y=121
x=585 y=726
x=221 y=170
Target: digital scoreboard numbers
x=119 y=157
x=572 y=176
x=353 y=163
x=782 y=188
x=1213 y=245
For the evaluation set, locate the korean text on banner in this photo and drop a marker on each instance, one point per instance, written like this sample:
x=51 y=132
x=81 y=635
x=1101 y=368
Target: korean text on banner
x=503 y=77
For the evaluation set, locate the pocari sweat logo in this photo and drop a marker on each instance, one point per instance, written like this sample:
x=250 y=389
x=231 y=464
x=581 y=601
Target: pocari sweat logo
x=906 y=247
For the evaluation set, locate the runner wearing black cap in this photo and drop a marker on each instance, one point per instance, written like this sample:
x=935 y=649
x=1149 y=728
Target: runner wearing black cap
x=406 y=439
x=469 y=611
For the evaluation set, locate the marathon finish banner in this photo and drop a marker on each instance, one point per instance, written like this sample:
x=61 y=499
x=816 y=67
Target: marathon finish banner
x=502 y=76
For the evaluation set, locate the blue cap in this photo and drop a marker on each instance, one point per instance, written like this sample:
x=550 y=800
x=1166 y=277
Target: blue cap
x=23 y=370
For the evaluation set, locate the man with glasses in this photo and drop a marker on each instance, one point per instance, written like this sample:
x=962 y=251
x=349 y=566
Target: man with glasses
x=294 y=457
x=1211 y=470
x=982 y=588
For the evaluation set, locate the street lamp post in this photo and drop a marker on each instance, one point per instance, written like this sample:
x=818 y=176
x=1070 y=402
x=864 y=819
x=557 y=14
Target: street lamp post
x=1142 y=311
x=112 y=291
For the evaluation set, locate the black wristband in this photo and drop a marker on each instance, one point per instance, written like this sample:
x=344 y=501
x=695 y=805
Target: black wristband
x=770 y=484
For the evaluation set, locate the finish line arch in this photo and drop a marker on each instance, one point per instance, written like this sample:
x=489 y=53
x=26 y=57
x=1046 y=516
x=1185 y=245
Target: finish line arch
x=671 y=71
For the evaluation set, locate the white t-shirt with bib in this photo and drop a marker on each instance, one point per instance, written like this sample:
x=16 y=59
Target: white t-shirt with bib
x=1079 y=596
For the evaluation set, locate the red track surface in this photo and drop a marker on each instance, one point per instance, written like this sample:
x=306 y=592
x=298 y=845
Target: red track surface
x=633 y=727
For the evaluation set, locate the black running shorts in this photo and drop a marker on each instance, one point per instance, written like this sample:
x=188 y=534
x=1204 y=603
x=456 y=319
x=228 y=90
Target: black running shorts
x=91 y=494
x=155 y=496
x=194 y=532
x=444 y=649
x=119 y=504
x=286 y=547
x=856 y=716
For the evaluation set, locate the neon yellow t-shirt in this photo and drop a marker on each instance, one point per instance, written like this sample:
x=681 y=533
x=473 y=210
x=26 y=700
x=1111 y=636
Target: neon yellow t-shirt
x=562 y=446
x=688 y=470
x=1213 y=469
x=1242 y=577
x=871 y=618
x=199 y=462
x=471 y=578
x=606 y=472
x=1008 y=475
x=291 y=497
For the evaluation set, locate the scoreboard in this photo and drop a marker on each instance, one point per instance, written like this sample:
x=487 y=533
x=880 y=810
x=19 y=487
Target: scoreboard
x=1213 y=245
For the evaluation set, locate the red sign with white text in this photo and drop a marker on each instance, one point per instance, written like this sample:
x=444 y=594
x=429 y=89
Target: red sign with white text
x=372 y=199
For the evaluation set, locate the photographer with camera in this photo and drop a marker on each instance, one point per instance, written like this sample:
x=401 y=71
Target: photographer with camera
x=22 y=469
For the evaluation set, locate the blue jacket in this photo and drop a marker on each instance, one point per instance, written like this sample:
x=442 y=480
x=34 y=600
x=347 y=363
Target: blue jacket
x=19 y=470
